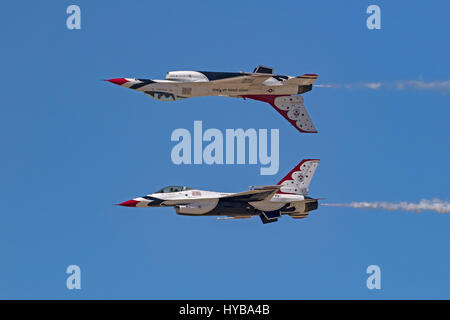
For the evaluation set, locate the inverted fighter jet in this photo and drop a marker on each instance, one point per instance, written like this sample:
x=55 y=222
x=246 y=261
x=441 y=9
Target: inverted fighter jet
x=281 y=92
x=288 y=197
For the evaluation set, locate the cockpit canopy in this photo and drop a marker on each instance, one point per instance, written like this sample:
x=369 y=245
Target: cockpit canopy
x=173 y=189
x=186 y=76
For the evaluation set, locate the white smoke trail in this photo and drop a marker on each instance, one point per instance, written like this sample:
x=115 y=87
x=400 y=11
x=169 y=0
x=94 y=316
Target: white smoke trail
x=419 y=84
x=441 y=86
x=435 y=204
x=362 y=85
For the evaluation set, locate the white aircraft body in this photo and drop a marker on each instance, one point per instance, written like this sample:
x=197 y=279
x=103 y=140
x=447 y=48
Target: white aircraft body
x=281 y=92
x=288 y=197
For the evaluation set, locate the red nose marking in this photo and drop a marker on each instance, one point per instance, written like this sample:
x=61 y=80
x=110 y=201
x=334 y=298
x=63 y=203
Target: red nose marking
x=129 y=203
x=118 y=81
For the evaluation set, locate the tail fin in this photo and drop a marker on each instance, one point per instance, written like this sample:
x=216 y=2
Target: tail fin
x=297 y=181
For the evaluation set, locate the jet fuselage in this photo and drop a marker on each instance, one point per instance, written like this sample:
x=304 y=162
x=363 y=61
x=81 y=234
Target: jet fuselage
x=281 y=92
x=269 y=202
x=188 y=84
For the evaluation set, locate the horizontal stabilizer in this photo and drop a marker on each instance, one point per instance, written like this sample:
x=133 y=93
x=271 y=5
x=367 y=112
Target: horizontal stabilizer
x=303 y=80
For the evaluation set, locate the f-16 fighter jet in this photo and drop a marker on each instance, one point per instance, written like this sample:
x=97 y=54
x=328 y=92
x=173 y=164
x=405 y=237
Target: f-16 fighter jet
x=281 y=92
x=288 y=197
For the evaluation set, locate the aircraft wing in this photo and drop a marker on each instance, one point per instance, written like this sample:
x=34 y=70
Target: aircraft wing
x=250 y=79
x=259 y=194
x=291 y=108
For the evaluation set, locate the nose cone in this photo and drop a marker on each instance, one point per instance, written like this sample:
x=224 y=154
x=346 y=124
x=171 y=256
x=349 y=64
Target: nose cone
x=118 y=81
x=129 y=203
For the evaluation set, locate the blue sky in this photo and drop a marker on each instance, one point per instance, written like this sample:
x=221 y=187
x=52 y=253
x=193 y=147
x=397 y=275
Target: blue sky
x=72 y=145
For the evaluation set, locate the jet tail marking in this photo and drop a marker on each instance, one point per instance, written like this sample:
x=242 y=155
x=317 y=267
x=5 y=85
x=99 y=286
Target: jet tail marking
x=298 y=179
x=291 y=108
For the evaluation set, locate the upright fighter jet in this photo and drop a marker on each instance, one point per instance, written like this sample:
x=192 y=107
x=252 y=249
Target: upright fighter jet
x=288 y=197
x=281 y=92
